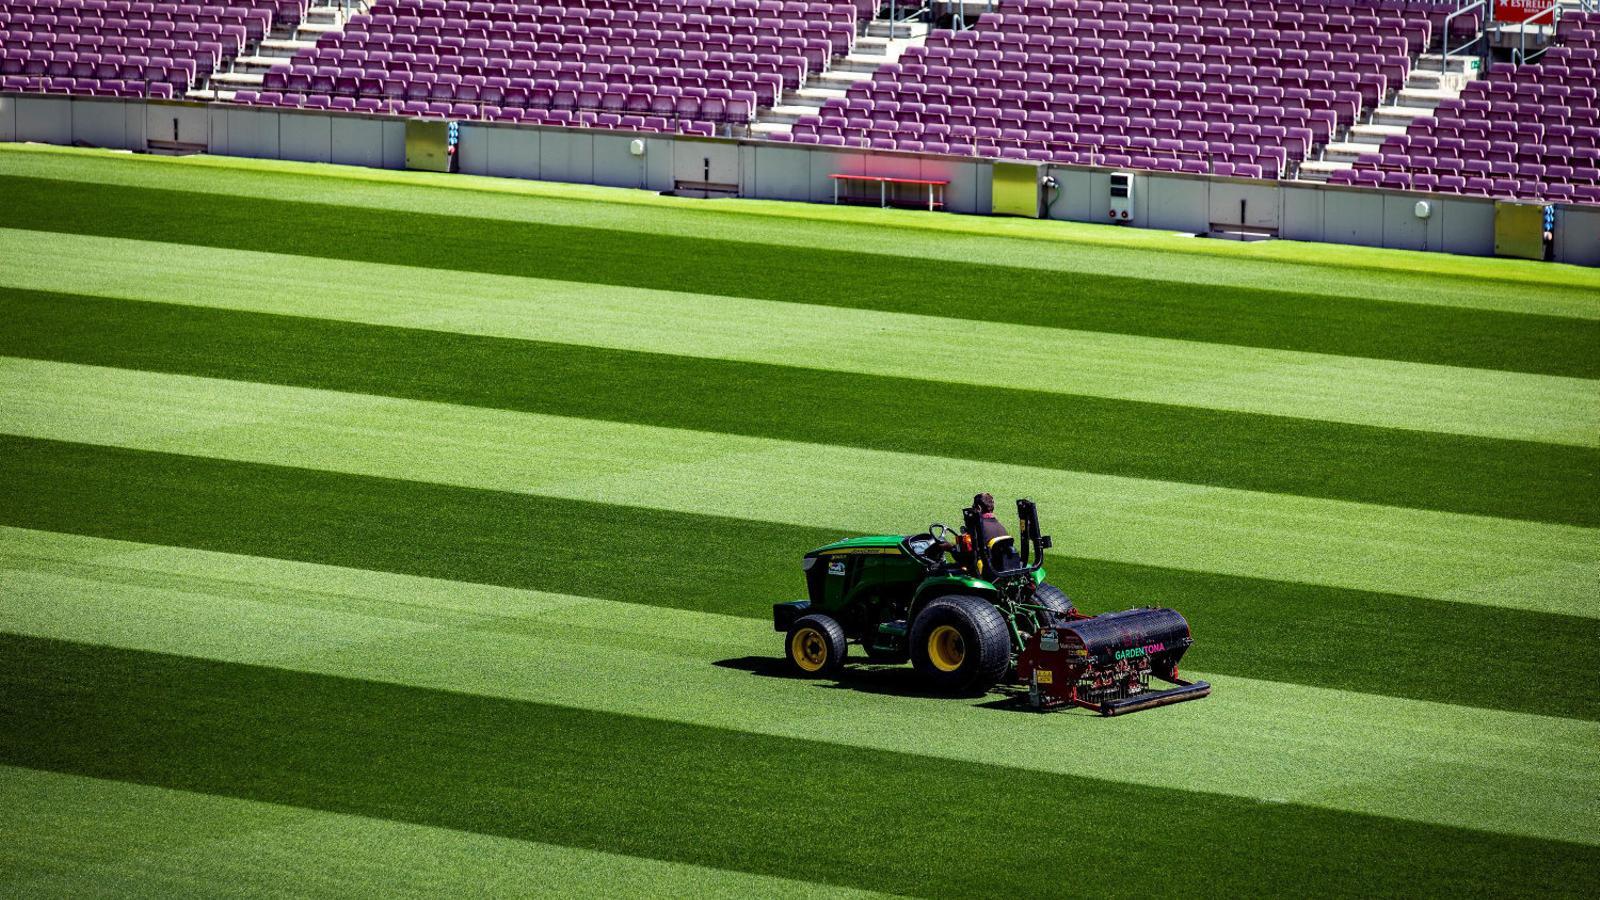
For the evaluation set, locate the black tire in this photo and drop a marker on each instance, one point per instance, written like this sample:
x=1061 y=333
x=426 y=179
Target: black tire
x=970 y=639
x=1056 y=600
x=815 y=646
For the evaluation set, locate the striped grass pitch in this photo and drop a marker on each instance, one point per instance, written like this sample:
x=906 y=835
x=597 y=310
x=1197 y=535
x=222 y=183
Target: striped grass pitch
x=370 y=533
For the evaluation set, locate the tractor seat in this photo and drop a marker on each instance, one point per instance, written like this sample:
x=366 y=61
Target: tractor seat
x=1003 y=554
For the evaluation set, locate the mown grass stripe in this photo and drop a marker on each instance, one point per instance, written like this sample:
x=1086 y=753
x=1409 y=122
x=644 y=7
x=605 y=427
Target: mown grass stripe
x=1070 y=247
x=1448 y=399
x=1526 y=773
x=1120 y=304
x=1390 y=549
x=702 y=796
x=1382 y=644
x=70 y=836
x=1452 y=473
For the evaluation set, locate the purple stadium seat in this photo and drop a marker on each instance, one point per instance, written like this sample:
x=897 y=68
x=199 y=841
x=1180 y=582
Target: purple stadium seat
x=1247 y=89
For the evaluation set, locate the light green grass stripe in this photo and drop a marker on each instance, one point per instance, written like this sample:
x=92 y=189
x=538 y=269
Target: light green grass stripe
x=1402 y=276
x=1498 y=562
x=1502 y=772
x=1308 y=385
x=71 y=836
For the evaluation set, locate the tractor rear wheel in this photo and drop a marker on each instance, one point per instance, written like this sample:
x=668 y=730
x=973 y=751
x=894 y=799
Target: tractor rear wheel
x=816 y=645
x=1056 y=600
x=960 y=644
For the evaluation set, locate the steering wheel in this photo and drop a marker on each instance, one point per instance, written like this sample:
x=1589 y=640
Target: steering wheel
x=942 y=532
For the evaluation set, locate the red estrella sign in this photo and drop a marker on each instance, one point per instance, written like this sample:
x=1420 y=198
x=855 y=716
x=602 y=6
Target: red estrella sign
x=1523 y=11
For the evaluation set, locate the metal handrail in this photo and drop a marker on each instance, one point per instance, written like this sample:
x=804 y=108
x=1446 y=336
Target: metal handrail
x=390 y=103
x=1097 y=152
x=1520 y=54
x=1444 y=56
x=916 y=7
x=959 y=19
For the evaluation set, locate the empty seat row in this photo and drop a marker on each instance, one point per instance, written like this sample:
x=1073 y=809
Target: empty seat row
x=128 y=47
x=710 y=63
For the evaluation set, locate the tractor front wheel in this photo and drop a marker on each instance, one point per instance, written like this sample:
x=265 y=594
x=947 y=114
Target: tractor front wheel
x=816 y=645
x=960 y=644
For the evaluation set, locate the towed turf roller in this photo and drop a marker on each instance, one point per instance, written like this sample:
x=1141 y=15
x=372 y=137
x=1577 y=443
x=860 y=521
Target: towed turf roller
x=1106 y=663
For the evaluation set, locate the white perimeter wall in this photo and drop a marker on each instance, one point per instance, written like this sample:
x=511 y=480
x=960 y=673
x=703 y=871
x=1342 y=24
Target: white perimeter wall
x=759 y=169
x=1302 y=212
x=1179 y=203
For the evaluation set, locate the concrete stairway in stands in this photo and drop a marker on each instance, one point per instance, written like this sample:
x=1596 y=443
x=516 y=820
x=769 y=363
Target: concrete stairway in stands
x=884 y=42
x=1432 y=80
x=281 y=44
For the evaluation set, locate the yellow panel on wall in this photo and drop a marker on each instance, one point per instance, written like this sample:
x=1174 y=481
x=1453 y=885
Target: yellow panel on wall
x=1519 y=230
x=427 y=146
x=1015 y=190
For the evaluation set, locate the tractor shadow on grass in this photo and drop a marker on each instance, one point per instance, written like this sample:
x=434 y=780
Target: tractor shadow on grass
x=888 y=679
x=869 y=678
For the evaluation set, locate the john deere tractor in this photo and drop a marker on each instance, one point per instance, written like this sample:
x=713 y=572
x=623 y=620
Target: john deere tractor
x=984 y=617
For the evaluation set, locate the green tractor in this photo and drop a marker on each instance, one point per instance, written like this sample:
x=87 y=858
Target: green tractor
x=985 y=618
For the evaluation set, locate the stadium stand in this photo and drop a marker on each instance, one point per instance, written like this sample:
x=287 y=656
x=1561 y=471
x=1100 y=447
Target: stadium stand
x=1357 y=92
x=1529 y=132
x=1242 y=88
x=127 y=48
x=647 y=65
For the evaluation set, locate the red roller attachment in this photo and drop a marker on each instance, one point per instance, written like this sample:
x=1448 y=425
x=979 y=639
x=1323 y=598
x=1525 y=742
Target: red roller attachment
x=1106 y=663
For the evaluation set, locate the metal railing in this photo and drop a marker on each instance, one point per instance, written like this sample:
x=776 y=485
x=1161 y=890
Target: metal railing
x=392 y=105
x=1481 y=39
x=39 y=83
x=1550 y=16
x=913 y=10
x=1096 y=154
x=958 y=18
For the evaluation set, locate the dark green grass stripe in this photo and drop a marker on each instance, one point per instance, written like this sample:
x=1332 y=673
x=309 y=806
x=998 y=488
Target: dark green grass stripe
x=1124 y=304
x=1326 y=637
x=1487 y=476
x=733 y=800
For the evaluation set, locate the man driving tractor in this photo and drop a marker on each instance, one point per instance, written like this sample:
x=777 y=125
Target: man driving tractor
x=989 y=619
x=989 y=529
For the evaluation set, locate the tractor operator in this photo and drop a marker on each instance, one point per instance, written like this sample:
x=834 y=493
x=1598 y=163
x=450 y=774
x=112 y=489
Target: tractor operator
x=987 y=523
x=989 y=528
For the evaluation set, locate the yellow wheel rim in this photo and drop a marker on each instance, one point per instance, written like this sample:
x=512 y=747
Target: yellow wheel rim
x=809 y=650
x=946 y=648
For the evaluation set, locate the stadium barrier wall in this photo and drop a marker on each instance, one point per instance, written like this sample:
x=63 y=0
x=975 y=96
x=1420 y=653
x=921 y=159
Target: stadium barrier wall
x=1578 y=236
x=1190 y=204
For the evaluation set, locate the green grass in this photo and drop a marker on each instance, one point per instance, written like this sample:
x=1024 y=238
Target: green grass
x=1123 y=304
x=73 y=836
x=1406 y=276
x=1309 y=745
x=1494 y=561
x=1298 y=633
x=1447 y=399
x=1307 y=457
x=378 y=533
x=727 y=799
